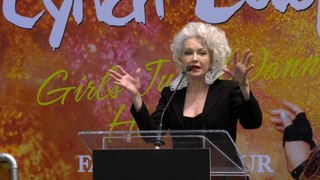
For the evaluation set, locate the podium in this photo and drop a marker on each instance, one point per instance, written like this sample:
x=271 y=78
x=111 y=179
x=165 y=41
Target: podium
x=184 y=154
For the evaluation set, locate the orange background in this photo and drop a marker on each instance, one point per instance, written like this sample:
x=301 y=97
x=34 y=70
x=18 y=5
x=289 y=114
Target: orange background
x=44 y=138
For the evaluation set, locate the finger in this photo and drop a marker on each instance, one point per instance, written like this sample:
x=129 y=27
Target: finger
x=276 y=121
x=290 y=115
x=248 y=60
x=137 y=73
x=115 y=74
x=279 y=128
x=275 y=112
x=235 y=57
x=249 y=69
x=245 y=56
x=227 y=71
x=122 y=70
x=285 y=119
x=114 y=78
x=292 y=107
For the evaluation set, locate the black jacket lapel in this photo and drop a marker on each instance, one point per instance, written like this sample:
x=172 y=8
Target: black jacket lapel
x=177 y=105
x=214 y=94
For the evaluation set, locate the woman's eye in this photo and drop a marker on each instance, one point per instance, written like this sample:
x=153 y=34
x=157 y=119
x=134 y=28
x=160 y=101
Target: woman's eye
x=203 y=53
x=187 y=53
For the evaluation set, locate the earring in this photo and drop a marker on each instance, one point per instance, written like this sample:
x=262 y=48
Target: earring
x=212 y=75
x=209 y=77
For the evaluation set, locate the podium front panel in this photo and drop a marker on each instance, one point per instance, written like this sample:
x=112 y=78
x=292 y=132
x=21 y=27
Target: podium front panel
x=146 y=164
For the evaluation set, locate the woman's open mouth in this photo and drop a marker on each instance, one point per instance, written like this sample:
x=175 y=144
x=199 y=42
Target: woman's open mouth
x=195 y=67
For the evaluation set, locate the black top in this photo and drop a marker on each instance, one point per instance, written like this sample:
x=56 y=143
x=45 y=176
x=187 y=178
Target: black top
x=193 y=122
x=223 y=108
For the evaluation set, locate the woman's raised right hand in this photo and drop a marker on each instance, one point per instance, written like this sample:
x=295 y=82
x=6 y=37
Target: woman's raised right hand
x=125 y=80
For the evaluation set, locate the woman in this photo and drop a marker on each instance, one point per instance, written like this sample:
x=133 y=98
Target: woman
x=201 y=100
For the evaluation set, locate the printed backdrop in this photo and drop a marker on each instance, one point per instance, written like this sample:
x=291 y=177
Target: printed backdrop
x=54 y=80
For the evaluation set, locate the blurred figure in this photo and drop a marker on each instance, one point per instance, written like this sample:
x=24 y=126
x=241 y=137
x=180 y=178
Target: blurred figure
x=301 y=153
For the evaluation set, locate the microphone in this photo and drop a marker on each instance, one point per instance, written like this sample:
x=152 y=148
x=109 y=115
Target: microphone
x=188 y=69
x=159 y=142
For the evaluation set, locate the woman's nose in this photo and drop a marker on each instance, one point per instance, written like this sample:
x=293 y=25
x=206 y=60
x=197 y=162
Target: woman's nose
x=195 y=57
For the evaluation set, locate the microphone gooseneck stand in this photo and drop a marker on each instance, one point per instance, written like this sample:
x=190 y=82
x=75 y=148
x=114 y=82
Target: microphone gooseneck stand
x=158 y=142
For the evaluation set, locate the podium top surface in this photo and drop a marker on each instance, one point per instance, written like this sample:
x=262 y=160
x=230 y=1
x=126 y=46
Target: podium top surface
x=225 y=157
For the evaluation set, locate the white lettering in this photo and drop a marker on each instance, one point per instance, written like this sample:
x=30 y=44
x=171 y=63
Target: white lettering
x=85 y=164
x=262 y=165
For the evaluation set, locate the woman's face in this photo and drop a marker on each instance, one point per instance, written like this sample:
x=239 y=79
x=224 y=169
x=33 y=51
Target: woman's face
x=197 y=55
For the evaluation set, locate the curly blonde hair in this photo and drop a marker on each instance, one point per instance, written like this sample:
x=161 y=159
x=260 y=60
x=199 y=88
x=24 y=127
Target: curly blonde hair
x=213 y=37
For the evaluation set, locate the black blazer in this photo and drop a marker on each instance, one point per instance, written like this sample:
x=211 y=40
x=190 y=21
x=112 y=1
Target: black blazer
x=223 y=108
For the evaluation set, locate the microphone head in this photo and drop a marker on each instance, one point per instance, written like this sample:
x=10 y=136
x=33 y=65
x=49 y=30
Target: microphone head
x=188 y=68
